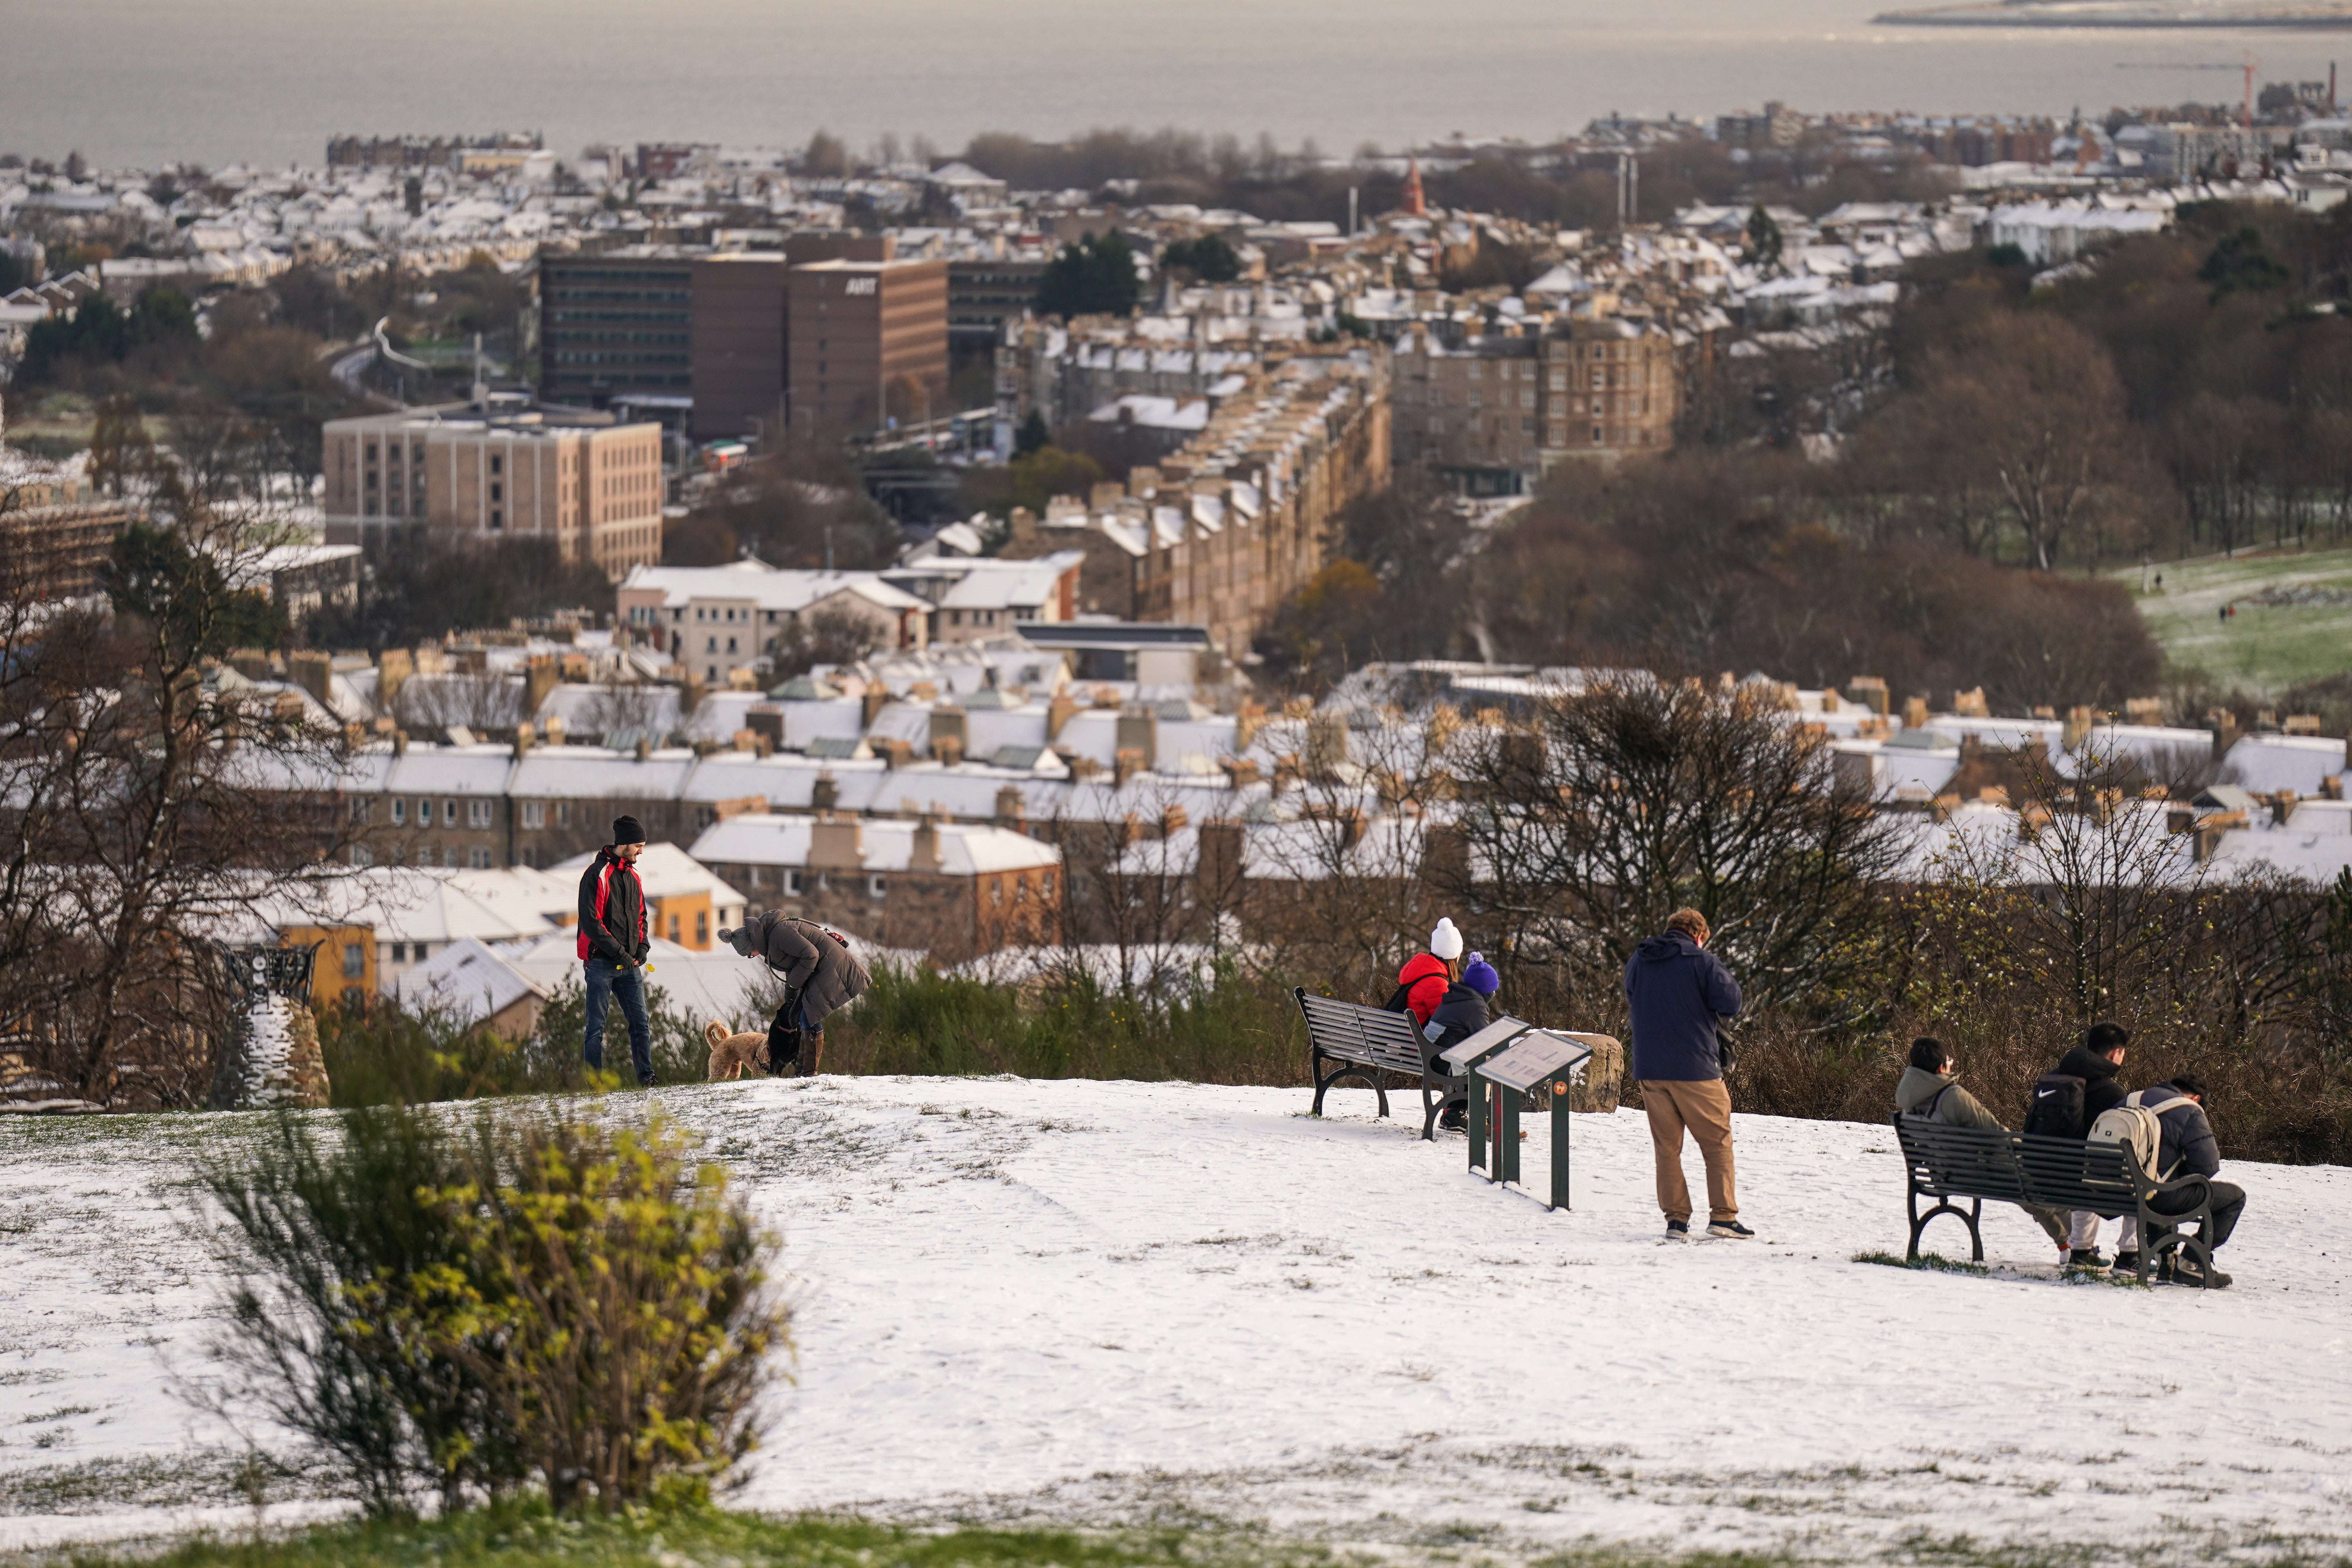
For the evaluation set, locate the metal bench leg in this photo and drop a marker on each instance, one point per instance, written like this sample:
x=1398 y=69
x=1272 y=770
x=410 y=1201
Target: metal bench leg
x=1429 y=1108
x=1315 y=1070
x=1943 y=1205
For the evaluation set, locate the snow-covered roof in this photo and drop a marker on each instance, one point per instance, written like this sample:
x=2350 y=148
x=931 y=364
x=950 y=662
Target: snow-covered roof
x=466 y=983
x=964 y=849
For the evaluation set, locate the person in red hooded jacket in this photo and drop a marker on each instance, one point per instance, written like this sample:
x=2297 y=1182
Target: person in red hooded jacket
x=1425 y=976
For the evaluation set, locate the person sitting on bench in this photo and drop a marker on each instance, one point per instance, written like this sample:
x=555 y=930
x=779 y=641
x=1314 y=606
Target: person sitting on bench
x=1928 y=1091
x=2186 y=1148
x=1461 y=1014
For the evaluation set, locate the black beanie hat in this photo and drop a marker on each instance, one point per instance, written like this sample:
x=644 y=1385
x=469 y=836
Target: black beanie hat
x=626 y=831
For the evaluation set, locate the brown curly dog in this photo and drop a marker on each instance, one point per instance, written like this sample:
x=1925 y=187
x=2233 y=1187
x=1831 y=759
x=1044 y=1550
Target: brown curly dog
x=731 y=1053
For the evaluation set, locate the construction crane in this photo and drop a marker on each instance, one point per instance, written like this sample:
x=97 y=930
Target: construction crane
x=2248 y=65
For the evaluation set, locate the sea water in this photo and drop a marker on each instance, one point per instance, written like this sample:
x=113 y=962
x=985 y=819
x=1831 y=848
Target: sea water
x=266 y=81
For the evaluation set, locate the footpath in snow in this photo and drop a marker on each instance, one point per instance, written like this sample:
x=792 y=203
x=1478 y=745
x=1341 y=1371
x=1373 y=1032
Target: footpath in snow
x=1116 y=1303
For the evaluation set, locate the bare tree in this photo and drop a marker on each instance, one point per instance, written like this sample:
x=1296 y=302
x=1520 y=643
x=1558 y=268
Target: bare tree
x=1591 y=820
x=147 y=804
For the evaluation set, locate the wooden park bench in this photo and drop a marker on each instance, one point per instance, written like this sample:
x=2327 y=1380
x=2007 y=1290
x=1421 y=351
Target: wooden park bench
x=1363 y=1043
x=1946 y=1162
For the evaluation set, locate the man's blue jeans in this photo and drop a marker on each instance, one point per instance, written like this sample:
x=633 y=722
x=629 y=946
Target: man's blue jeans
x=606 y=981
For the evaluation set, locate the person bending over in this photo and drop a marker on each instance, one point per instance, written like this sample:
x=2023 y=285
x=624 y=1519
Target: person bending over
x=821 y=976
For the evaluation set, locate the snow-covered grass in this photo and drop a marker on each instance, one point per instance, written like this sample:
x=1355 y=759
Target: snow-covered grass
x=1120 y=1305
x=2294 y=611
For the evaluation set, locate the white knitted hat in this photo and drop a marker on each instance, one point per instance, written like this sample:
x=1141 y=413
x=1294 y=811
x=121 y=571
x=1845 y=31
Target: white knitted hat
x=1445 y=942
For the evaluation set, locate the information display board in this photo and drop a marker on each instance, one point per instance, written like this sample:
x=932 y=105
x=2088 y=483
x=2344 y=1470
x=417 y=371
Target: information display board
x=1534 y=1060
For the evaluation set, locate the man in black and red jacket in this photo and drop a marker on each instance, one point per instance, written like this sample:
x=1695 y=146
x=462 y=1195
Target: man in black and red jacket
x=612 y=945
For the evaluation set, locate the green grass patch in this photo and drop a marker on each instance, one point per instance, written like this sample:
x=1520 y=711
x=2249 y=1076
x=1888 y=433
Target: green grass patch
x=1925 y=1260
x=2294 y=621
x=521 y=1537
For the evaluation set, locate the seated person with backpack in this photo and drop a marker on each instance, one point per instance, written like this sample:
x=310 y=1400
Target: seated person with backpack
x=2066 y=1100
x=1460 y=1015
x=1928 y=1091
x=2184 y=1146
x=1422 y=984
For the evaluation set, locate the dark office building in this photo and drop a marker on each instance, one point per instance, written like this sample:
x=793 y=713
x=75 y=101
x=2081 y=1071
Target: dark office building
x=984 y=294
x=663 y=327
x=870 y=343
x=618 y=322
x=743 y=327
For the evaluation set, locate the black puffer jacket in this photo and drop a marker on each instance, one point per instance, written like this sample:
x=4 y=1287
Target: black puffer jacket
x=612 y=910
x=1459 y=1015
x=2101 y=1090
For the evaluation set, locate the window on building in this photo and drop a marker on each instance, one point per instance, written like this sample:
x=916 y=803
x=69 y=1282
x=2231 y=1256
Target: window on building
x=1046 y=887
x=795 y=882
x=449 y=811
x=498 y=491
x=424 y=813
x=710 y=672
x=876 y=887
x=498 y=466
x=423 y=951
x=534 y=814
x=354 y=960
x=362 y=855
x=731 y=645
x=702 y=927
x=995 y=894
x=563 y=814
x=1596 y=434
x=449 y=857
x=498 y=518
x=477 y=813
x=359 y=808
x=677 y=922
x=710 y=645
x=400 y=952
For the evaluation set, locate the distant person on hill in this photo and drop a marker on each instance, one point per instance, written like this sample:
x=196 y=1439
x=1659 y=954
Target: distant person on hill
x=2066 y=1100
x=821 y=976
x=1421 y=983
x=1928 y=1091
x=612 y=946
x=2187 y=1147
x=1677 y=990
x=1461 y=1013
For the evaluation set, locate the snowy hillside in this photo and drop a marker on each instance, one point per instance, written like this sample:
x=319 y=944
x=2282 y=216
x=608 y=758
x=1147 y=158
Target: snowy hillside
x=1110 y=1302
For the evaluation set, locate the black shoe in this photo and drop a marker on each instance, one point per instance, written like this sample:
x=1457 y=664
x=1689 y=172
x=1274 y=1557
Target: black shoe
x=2126 y=1263
x=1453 y=1121
x=2085 y=1257
x=1730 y=1229
x=1677 y=1230
x=2186 y=1270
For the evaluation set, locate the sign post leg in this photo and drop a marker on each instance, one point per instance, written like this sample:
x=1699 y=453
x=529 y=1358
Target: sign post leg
x=1477 y=1125
x=1559 y=1126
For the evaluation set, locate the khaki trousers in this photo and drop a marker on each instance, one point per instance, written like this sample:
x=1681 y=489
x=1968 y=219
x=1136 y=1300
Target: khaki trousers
x=1705 y=1110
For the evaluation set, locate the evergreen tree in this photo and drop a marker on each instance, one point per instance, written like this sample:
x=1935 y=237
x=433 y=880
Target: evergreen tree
x=1090 y=277
x=1208 y=259
x=2241 y=264
x=1763 y=240
x=1034 y=436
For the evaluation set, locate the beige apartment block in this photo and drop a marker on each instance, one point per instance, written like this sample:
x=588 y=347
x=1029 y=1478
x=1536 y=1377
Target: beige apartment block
x=1496 y=411
x=592 y=485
